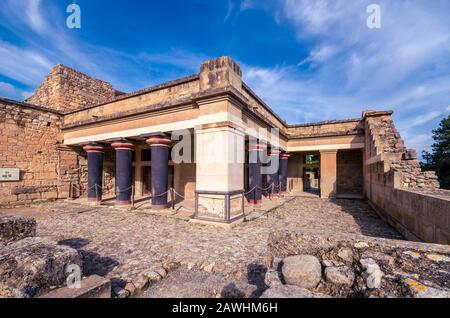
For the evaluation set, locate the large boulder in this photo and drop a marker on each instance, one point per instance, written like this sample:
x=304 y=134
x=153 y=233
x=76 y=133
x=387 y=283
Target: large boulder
x=14 y=228
x=29 y=267
x=302 y=270
x=290 y=291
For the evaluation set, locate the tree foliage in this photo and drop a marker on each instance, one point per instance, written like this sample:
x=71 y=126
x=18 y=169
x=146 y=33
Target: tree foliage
x=439 y=157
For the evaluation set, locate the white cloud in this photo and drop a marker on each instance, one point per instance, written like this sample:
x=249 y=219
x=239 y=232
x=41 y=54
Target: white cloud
x=23 y=64
x=7 y=89
x=177 y=58
x=448 y=108
x=403 y=66
x=33 y=13
x=319 y=55
x=423 y=118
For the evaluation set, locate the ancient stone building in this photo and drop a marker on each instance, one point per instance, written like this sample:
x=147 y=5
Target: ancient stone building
x=77 y=136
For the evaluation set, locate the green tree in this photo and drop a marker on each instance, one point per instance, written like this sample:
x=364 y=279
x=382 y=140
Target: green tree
x=439 y=157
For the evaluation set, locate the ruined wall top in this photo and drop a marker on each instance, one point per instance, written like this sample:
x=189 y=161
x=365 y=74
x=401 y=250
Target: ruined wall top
x=66 y=89
x=221 y=72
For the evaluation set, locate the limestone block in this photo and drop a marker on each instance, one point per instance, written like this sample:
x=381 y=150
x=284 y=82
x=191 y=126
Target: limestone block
x=91 y=287
x=32 y=265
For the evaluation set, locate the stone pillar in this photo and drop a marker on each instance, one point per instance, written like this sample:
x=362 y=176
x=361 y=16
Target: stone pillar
x=220 y=151
x=284 y=171
x=328 y=173
x=160 y=147
x=124 y=166
x=255 y=176
x=95 y=172
x=273 y=179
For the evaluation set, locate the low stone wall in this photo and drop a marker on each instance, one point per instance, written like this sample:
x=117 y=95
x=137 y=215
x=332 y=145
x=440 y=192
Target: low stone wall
x=406 y=197
x=416 y=215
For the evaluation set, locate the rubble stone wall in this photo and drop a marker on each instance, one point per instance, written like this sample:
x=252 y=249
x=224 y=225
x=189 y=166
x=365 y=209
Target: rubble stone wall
x=66 y=89
x=32 y=142
x=408 y=198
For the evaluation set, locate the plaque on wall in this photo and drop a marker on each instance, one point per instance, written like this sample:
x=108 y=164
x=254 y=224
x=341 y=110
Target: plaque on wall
x=9 y=174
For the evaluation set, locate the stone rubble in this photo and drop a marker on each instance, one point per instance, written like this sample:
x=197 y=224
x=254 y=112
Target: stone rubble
x=14 y=228
x=374 y=268
x=342 y=275
x=33 y=265
x=374 y=273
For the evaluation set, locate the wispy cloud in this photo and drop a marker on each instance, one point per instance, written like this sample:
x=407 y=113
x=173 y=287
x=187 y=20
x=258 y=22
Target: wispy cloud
x=403 y=66
x=424 y=118
x=33 y=13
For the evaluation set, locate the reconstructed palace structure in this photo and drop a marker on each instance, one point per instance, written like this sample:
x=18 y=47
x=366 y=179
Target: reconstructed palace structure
x=77 y=136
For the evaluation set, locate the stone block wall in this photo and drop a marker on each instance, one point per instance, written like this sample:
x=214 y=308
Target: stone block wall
x=32 y=142
x=66 y=89
x=335 y=127
x=408 y=198
x=349 y=172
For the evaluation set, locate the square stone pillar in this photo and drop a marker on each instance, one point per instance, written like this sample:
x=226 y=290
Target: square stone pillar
x=328 y=173
x=220 y=156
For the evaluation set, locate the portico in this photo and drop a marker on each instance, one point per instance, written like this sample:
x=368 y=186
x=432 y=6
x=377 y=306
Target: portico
x=206 y=138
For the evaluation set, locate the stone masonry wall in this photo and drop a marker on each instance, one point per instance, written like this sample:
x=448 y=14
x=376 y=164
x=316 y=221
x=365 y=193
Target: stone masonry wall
x=407 y=198
x=349 y=173
x=387 y=142
x=66 y=89
x=31 y=141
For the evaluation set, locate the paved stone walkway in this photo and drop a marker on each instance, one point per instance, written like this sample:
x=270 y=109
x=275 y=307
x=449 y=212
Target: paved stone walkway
x=122 y=244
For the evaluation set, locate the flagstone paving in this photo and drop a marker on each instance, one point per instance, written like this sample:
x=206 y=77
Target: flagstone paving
x=121 y=244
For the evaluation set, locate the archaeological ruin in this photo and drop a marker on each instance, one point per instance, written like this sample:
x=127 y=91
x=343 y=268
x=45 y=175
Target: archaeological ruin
x=77 y=137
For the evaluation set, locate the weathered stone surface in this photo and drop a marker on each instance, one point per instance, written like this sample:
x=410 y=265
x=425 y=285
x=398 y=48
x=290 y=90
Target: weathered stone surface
x=32 y=265
x=302 y=270
x=184 y=283
x=346 y=254
x=120 y=292
x=290 y=291
x=130 y=288
x=374 y=273
x=65 y=89
x=340 y=275
x=152 y=276
x=420 y=290
x=161 y=271
x=386 y=263
x=14 y=228
x=91 y=287
x=272 y=278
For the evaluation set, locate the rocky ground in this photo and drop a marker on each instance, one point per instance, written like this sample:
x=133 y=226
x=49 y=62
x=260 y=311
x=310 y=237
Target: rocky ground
x=121 y=245
x=355 y=266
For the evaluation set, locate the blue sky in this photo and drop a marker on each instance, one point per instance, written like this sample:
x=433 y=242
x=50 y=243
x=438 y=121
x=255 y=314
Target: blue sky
x=309 y=60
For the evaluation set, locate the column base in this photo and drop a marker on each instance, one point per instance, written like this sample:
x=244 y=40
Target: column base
x=159 y=207
x=123 y=203
x=94 y=201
